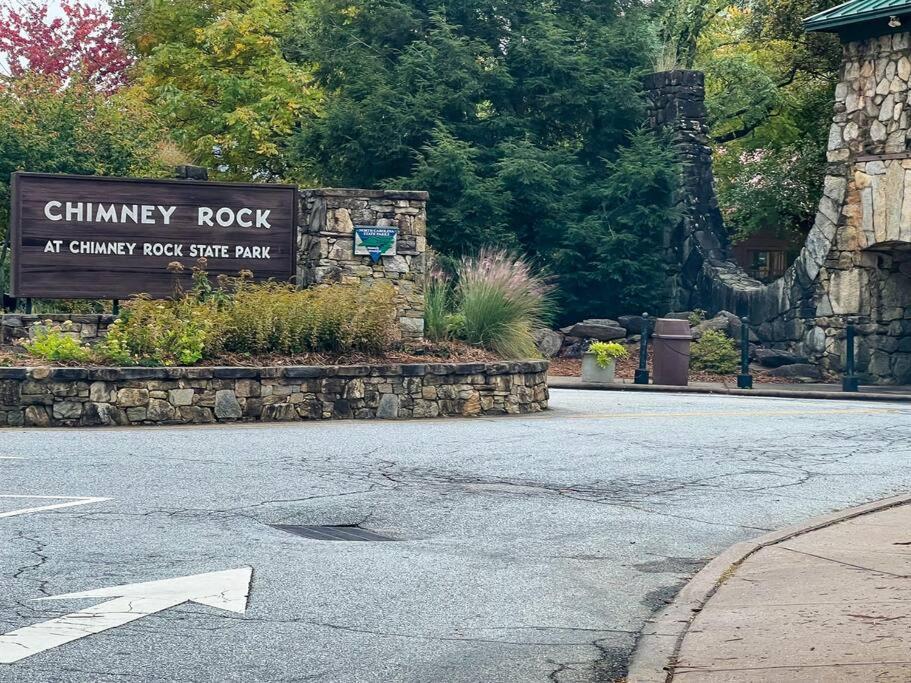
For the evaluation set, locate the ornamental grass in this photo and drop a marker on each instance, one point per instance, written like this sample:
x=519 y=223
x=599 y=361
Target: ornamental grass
x=500 y=300
x=437 y=304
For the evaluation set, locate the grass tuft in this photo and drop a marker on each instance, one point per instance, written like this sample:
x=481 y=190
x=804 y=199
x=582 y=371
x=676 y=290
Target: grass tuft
x=500 y=301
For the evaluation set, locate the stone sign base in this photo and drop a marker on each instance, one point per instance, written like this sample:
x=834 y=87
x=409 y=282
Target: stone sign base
x=84 y=397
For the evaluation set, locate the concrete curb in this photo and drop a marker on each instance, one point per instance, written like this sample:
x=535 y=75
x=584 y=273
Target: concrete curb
x=662 y=635
x=553 y=383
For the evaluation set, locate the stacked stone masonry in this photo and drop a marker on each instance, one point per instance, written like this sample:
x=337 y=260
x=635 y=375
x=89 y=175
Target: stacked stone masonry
x=856 y=262
x=87 y=329
x=676 y=101
x=77 y=397
x=326 y=245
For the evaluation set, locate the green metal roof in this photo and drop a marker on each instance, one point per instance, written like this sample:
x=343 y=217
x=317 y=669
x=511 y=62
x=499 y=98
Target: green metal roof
x=855 y=12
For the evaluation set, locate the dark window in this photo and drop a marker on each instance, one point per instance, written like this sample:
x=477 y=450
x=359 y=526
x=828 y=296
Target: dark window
x=759 y=264
x=766 y=264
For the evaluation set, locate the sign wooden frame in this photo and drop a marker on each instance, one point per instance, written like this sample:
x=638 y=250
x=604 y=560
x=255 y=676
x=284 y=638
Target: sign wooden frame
x=229 y=247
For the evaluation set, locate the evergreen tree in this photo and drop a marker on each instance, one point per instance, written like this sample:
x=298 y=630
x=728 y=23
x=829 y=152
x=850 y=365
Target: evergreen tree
x=519 y=118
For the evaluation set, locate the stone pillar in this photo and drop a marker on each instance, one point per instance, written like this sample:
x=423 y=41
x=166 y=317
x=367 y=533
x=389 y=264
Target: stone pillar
x=676 y=105
x=864 y=264
x=326 y=245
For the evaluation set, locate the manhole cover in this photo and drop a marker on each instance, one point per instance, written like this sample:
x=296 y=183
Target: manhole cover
x=342 y=532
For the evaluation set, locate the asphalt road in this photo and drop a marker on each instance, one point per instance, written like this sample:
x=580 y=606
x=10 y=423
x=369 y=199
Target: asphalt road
x=527 y=548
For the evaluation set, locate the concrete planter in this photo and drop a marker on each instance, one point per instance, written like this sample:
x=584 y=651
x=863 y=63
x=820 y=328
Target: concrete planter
x=592 y=372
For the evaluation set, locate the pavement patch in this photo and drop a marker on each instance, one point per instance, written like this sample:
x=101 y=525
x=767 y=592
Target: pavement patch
x=672 y=565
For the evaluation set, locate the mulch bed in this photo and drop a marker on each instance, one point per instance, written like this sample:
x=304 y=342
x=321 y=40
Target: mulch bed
x=443 y=352
x=626 y=369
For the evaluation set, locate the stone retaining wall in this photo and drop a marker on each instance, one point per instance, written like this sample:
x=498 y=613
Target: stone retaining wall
x=86 y=328
x=857 y=258
x=82 y=397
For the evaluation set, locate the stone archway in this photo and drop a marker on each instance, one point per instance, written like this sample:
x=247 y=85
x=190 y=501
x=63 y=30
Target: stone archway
x=884 y=346
x=857 y=258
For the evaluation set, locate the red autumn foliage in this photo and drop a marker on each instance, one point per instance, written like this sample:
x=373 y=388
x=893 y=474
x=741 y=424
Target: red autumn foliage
x=83 y=42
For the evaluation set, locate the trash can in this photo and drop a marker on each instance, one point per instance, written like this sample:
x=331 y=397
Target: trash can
x=671 y=360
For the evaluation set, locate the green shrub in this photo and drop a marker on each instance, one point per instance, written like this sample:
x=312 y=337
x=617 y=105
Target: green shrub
x=696 y=316
x=243 y=317
x=499 y=301
x=164 y=332
x=714 y=352
x=605 y=352
x=278 y=318
x=54 y=343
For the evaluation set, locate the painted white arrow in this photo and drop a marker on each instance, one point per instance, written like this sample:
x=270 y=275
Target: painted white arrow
x=226 y=590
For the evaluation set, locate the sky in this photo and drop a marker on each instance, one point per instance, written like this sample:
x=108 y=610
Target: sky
x=54 y=4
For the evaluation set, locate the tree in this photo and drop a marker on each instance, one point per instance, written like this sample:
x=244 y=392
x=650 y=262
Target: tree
x=216 y=73
x=760 y=76
x=611 y=261
x=77 y=130
x=769 y=89
x=519 y=118
x=82 y=43
x=680 y=24
x=770 y=189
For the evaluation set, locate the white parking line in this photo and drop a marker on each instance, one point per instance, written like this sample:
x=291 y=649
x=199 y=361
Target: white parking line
x=71 y=501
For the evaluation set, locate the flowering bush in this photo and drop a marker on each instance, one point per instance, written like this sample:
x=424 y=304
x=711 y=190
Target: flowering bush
x=55 y=343
x=159 y=332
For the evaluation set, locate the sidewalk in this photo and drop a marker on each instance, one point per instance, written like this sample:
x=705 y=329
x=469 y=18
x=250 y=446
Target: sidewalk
x=831 y=603
x=822 y=391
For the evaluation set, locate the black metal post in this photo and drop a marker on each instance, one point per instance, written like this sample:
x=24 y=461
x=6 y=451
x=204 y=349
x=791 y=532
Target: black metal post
x=744 y=379
x=849 y=381
x=641 y=376
x=28 y=306
x=115 y=306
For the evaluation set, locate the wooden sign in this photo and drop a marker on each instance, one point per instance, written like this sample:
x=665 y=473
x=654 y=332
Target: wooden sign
x=93 y=237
